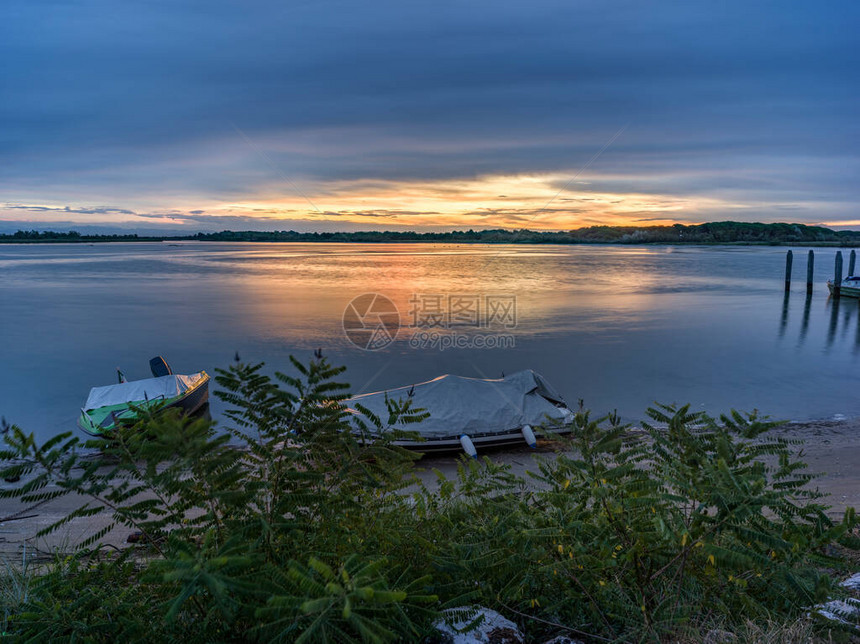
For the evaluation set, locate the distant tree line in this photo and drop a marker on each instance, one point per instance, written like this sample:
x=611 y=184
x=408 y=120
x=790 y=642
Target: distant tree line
x=71 y=236
x=723 y=232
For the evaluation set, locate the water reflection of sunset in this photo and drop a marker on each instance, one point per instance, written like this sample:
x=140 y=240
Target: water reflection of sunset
x=298 y=292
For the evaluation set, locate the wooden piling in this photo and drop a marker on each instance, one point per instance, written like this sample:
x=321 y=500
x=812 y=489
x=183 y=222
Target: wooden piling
x=788 y=260
x=837 y=274
x=851 y=259
x=810 y=269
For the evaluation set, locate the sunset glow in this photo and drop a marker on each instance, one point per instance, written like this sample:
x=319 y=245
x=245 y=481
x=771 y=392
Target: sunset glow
x=549 y=117
x=538 y=202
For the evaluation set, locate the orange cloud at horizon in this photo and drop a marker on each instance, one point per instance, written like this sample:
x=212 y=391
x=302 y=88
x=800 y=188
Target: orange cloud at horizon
x=540 y=202
x=536 y=201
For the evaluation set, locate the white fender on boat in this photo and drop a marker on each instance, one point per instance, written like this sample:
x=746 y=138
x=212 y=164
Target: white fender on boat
x=468 y=446
x=529 y=435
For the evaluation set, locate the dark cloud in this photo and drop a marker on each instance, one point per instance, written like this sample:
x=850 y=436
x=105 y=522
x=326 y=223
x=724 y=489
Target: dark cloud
x=140 y=102
x=100 y=210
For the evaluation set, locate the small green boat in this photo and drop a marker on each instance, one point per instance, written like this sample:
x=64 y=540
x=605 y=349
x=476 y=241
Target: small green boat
x=109 y=406
x=850 y=287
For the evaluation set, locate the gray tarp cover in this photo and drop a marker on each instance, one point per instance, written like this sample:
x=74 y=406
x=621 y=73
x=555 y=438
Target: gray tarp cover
x=472 y=406
x=140 y=390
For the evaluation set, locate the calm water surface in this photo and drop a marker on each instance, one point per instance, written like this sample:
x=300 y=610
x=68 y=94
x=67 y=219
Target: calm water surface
x=616 y=326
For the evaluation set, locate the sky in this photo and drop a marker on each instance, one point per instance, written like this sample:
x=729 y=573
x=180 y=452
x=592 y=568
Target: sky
x=186 y=116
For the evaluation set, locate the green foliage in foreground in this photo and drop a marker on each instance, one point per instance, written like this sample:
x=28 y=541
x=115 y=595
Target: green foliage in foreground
x=291 y=528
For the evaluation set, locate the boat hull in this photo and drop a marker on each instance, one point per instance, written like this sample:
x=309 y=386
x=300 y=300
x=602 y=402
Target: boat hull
x=189 y=403
x=450 y=444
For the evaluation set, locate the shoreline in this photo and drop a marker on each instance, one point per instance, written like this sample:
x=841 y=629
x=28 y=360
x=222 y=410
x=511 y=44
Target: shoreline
x=831 y=449
x=457 y=242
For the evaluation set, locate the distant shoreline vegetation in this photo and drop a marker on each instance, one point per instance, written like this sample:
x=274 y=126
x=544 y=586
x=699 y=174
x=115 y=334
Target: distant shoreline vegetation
x=723 y=232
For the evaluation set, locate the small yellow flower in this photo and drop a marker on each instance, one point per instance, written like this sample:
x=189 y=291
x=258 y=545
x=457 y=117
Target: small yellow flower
x=560 y=549
x=566 y=483
x=711 y=560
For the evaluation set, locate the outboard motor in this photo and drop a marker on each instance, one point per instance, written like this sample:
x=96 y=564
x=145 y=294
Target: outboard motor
x=159 y=367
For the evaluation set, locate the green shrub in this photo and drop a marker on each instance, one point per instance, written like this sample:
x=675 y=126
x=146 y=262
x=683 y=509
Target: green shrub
x=292 y=525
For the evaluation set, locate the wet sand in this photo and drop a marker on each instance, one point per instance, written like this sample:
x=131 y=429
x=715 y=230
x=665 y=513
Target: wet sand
x=831 y=448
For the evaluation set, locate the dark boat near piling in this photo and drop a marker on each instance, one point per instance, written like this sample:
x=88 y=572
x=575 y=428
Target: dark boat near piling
x=850 y=287
x=112 y=405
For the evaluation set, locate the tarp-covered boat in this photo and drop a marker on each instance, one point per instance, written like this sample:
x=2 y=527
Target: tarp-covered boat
x=108 y=406
x=467 y=413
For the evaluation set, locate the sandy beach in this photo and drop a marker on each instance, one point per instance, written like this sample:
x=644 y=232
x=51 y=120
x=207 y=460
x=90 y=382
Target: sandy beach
x=831 y=448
